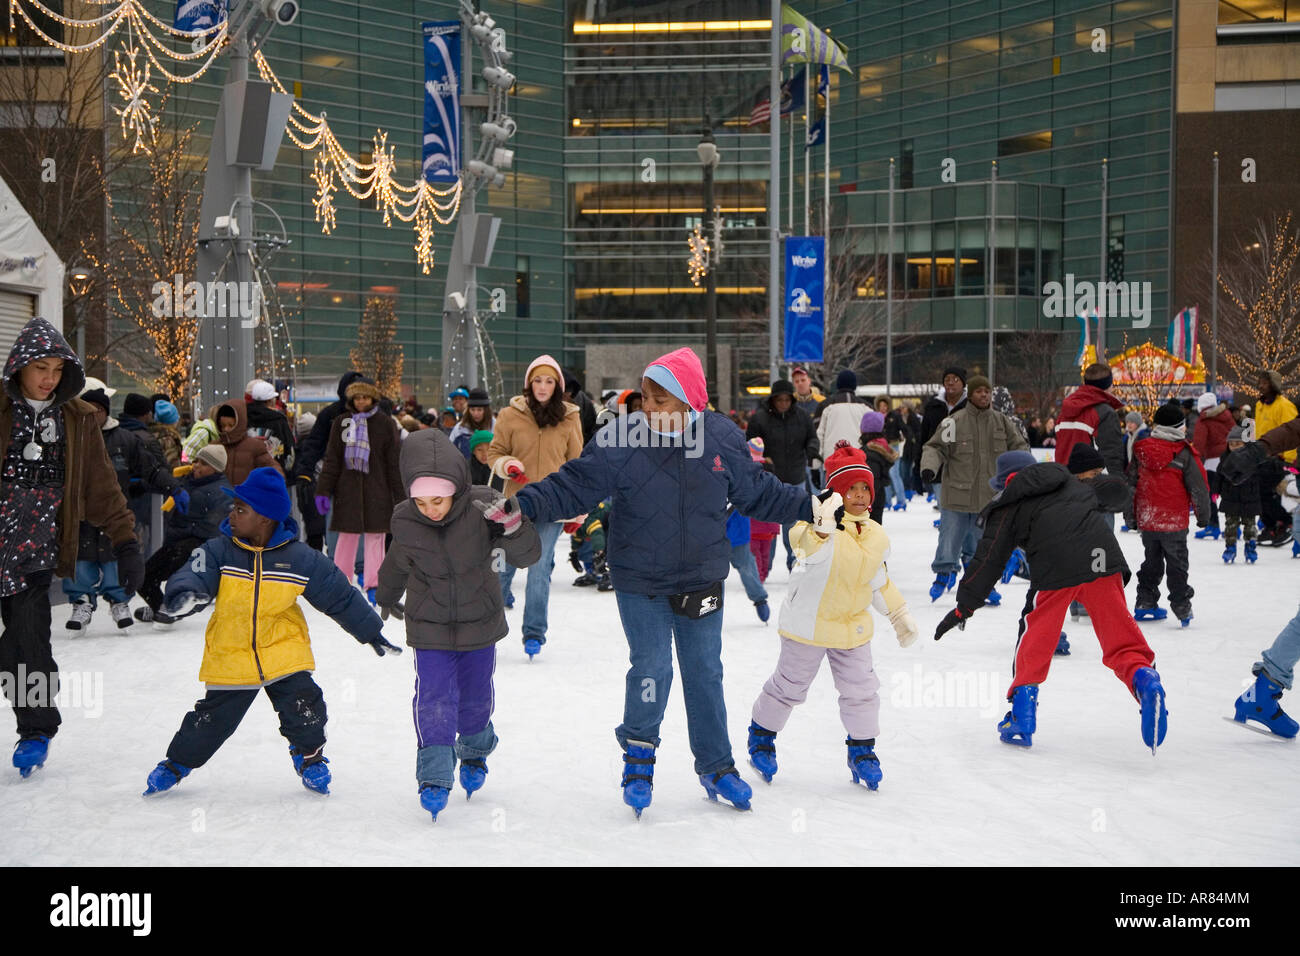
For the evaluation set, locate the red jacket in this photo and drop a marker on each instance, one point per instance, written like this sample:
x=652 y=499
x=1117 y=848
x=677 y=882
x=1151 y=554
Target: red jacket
x=1210 y=436
x=1088 y=415
x=1170 y=480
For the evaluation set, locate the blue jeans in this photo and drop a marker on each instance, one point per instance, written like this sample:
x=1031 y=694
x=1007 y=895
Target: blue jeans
x=896 y=480
x=88 y=582
x=1279 y=660
x=742 y=559
x=958 y=536
x=789 y=551
x=537 y=592
x=651 y=627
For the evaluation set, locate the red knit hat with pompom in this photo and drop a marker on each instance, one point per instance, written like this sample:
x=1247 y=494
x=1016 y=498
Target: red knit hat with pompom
x=847 y=465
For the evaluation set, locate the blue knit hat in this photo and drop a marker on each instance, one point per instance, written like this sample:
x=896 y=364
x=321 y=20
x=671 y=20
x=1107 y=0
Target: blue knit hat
x=846 y=381
x=1010 y=462
x=165 y=413
x=264 y=492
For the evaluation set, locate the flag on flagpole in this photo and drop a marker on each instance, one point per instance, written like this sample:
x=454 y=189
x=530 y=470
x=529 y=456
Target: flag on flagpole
x=762 y=111
x=793 y=97
x=803 y=42
x=1182 y=335
x=817 y=131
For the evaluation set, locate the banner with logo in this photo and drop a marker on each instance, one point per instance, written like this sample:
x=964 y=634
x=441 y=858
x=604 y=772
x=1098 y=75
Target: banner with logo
x=803 y=42
x=199 y=14
x=805 y=286
x=441 y=101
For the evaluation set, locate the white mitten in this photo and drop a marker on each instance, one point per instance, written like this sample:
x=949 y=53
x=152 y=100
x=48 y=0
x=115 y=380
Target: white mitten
x=904 y=626
x=824 y=506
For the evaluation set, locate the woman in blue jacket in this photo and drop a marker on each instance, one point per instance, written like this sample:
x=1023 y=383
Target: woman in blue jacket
x=671 y=468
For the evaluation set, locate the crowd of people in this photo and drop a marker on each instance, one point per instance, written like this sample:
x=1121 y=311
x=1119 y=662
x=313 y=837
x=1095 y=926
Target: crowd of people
x=432 y=513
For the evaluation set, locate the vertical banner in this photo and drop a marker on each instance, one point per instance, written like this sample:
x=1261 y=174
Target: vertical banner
x=441 y=163
x=805 y=285
x=199 y=14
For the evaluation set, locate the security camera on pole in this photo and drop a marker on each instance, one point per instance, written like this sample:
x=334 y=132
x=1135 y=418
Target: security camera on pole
x=475 y=233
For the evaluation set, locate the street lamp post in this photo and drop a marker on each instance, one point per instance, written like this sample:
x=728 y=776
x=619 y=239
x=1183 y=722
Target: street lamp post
x=81 y=278
x=709 y=157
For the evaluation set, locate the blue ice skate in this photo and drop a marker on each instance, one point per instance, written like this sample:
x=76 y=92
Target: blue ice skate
x=315 y=775
x=434 y=799
x=994 y=599
x=1295 y=549
x=1261 y=703
x=30 y=753
x=638 y=775
x=764 y=612
x=1062 y=646
x=762 y=750
x=1021 y=722
x=863 y=763
x=166 y=775
x=473 y=772
x=1230 y=553
x=1151 y=696
x=943 y=581
x=1151 y=613
x=532 y=647
x=936 y=522
x=1251 y=553
x=1014 y=565
x=1183 y=613
x=727 y=785
x=370 y=596
x=1210 y=531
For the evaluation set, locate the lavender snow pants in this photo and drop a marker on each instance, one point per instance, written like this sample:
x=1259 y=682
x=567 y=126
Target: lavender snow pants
x=453 y=696
x=795 y=669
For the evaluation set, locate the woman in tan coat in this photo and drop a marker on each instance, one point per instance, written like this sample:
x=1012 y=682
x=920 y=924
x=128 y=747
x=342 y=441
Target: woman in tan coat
x=535 y=434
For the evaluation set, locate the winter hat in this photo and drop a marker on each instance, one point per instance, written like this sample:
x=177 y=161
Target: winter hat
x=781 y=387
x=847 y=465
x=846 y=381
x=478 y=398
x=458 y=393
x=1235 y=433
x=543 y=363
x=1010 y=462
x=93 y=383
x=755 y=448
x=1134 y=417
x=305 y=423
x=165 y=413
x=682 y=375
x=362 y=386
x=1170 y=415
x=978 y=381
x=479 y=437
x=1206 y=401
x=430 y=486
x=264 y=492
x=137 y=405
x=1083 y=457
x=261 y=391
x=872 y=422
x=97 y=396
x=1275 y=378
x=954 y=370
x=213 y=454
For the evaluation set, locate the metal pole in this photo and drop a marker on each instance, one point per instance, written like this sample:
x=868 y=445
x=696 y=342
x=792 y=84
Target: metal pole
x=1100 y=347
x=789 y=152
x=993 y=253
x=1214 y=276
x=774 y=200
x=826 y=162
x=711 y=290
x=889 y=292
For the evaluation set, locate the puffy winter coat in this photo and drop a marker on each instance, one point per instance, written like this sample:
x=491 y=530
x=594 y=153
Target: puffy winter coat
x=136 y=464
x=1168 y=476
x=209 y=506
x=243 y=451
x=841 y=418
x=789 y=439
x=1272 y=414
x=934 y=411
x=1088 y=417
x=257 y=632
x=1057 y=519
x=311 y=448
x=41 y=514
x=964 y=455
x=670 y=498
x=1242 y=499
x=453 y=597
x=540 y=450
x=202 y=433
x=829 y=603
x=880 y=459
x=363 y=502
x=1210 y=436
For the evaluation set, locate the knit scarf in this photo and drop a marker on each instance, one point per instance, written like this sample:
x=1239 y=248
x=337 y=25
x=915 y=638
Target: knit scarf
x=1170 y=432
x=356 y=453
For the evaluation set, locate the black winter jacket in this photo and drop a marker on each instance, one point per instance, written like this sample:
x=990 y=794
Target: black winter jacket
x=1057 y=520
x=209 y=506
x=790 y=440
x=1243 y=499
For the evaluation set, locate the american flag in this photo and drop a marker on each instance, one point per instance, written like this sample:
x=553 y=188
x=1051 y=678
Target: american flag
x=762 y=111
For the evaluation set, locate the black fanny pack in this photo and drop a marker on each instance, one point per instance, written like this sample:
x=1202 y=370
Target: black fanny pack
x=699 y=603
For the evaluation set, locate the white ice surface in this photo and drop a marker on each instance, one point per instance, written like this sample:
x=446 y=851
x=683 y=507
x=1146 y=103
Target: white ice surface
x=1087 y=793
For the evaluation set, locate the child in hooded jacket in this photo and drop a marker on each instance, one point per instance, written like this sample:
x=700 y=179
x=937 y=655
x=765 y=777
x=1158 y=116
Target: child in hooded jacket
x=448 y=537
x=1168 y=477
x=1239 y=504
x=826 y=614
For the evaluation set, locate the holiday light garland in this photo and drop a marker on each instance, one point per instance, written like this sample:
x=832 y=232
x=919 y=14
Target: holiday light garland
x=698 y=264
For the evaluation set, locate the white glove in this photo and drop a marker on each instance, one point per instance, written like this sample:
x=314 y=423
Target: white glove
x=824 y=507
x=904 y=626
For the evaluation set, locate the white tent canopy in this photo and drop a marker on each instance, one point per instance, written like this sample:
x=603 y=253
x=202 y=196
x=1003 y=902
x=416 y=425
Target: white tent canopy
x=31 y=275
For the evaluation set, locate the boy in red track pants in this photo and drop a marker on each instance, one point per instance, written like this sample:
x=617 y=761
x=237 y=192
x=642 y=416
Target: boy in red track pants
x=1072 y=556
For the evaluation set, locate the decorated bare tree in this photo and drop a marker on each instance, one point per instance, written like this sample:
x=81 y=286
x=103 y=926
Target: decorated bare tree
x=1029 y=365
x=377 y=354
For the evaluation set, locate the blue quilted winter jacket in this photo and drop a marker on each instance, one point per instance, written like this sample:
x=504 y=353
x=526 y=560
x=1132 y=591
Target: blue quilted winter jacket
x=671 y=500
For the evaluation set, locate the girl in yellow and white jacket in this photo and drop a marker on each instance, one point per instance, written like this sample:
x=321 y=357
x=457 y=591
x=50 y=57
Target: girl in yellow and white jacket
x=828 y=614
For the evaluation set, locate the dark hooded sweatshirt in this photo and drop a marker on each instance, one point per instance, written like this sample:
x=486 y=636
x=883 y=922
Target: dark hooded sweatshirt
x=312 y=448
x=447 y=567
x=54 y=471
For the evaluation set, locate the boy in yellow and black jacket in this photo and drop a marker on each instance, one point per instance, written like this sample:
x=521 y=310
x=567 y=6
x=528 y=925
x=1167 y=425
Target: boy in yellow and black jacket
x=257 y=636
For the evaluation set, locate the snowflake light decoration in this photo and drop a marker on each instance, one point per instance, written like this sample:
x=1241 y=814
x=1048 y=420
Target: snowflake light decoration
x=698 y=264
x=132 y=86
x=424 y=241
x=325 y=189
